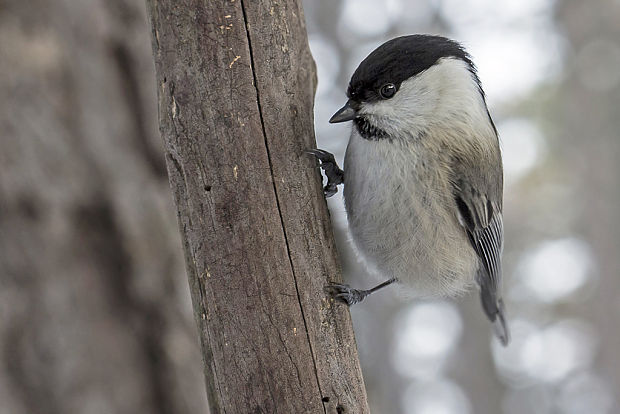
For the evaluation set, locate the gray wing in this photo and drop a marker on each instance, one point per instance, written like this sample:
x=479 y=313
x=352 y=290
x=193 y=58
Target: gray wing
x=482 y=220
x=479 y=207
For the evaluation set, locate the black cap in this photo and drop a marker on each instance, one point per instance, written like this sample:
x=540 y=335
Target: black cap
x=399 y=59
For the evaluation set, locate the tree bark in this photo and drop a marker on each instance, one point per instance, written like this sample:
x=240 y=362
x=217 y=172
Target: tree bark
x=236 y=84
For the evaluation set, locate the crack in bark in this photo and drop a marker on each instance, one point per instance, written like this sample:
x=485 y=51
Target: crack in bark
x=288 y=251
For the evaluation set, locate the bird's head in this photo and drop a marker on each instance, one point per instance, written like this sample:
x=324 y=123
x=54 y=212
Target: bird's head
x=411 y=84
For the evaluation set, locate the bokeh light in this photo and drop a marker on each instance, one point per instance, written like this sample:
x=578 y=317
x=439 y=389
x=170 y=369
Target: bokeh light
x=369 y=18
x=428 y=333
x=513 y=43
x=556 y=269
x=523 y=146
x=546 y=354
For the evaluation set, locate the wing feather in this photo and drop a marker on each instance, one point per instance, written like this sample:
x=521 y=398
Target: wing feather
x=480 y=214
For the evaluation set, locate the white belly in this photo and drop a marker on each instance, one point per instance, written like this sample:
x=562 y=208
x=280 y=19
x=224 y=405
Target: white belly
x=401 y=228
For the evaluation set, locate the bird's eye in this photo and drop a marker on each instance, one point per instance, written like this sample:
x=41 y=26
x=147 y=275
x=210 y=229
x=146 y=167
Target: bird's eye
x=388 y=90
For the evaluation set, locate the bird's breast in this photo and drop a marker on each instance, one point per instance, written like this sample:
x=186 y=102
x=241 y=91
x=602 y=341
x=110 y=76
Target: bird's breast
x=402 y=218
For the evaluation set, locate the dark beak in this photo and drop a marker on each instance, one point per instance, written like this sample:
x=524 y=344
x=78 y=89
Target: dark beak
x=346 y=113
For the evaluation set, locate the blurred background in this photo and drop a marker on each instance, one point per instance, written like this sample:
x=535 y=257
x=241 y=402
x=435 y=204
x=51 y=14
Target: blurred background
x=551 y=71
x=95 y=314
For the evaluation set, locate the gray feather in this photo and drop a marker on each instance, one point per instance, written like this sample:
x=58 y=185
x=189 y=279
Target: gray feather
x=478 y=196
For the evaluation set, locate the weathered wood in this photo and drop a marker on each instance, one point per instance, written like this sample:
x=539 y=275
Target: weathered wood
x=236 y=83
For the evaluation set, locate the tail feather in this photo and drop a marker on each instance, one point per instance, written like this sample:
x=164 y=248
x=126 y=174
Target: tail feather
x=500 y=327
x=494 y=309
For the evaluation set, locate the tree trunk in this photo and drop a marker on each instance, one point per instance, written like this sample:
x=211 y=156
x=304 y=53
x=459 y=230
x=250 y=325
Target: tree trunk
x=94 y=305
x=236 y=82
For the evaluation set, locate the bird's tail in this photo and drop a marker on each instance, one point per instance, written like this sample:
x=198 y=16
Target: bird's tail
x=500 y=327
x=494 y=309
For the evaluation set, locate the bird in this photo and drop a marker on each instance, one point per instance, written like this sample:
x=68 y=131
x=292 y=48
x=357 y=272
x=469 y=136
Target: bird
x=423 y=175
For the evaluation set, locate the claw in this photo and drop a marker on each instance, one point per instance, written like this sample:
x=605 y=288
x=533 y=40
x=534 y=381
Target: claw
x=333 y=173
x=322 y=155
x=329 y=190
x=345 y=294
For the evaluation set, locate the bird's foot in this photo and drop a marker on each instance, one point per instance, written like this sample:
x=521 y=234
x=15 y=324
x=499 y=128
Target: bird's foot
x=346 y=294
x=334 y=174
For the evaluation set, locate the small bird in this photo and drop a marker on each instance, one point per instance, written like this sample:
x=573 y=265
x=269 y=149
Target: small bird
x=423 y=176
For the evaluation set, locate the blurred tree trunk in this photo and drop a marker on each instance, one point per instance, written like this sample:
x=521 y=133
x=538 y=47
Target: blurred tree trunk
x=95 y=315
x=236 y=84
